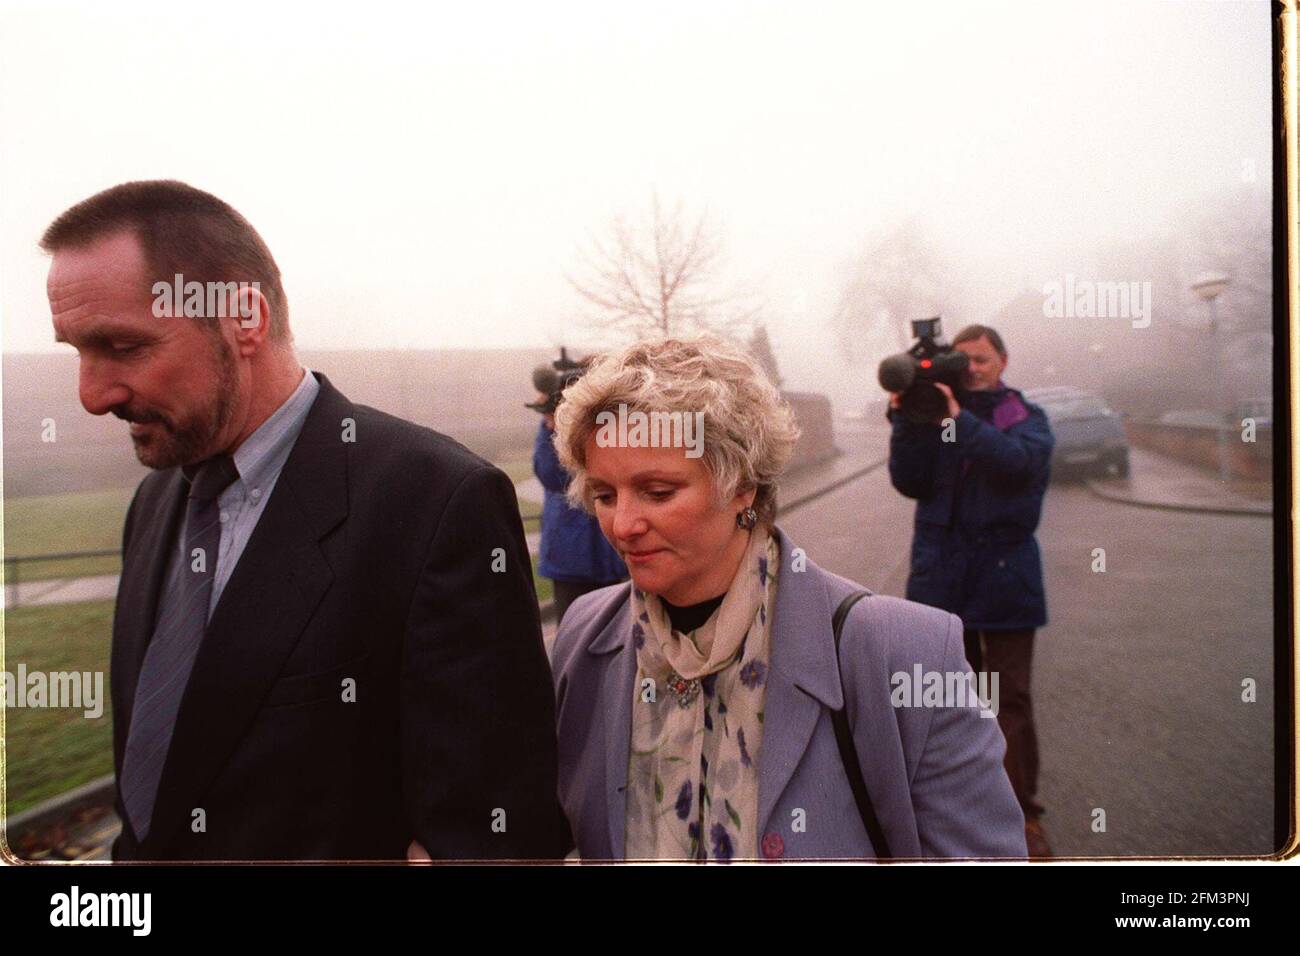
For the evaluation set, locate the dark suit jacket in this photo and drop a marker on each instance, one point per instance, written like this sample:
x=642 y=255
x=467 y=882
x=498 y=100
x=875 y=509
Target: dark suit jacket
x=373 y=560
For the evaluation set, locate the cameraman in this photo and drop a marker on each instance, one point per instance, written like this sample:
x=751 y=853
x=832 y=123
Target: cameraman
x=573 y=552
x=979 y=473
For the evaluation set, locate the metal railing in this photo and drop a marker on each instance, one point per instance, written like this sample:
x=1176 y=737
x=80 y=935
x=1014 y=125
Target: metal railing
x=13 y=566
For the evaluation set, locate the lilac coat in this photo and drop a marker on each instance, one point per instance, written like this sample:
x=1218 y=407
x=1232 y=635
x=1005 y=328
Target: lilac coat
x=935 y=774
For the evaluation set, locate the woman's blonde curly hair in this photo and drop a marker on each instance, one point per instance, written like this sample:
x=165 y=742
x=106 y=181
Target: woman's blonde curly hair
x=749 y=430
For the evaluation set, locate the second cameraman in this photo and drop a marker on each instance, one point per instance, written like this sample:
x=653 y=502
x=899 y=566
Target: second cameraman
x=572 y=552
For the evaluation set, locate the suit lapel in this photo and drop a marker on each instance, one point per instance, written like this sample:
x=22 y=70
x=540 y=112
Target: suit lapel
x=803 y=678
x=280 y=579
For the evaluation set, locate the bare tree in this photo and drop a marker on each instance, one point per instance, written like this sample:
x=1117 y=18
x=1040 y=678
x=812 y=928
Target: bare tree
x=898 y=277
x=660 y=276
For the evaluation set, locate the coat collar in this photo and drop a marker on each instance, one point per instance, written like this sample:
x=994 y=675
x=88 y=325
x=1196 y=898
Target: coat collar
x=803 y=677
x=803 y=646
x=280 y=579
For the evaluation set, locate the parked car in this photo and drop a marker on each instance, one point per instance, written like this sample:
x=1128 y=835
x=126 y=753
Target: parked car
x=1090 y=438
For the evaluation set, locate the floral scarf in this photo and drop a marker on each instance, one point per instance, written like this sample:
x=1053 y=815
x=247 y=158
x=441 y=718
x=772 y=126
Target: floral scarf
x=697 y=720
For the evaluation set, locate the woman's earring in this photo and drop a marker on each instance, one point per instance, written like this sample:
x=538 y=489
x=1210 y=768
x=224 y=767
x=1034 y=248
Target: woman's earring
x=747 y=519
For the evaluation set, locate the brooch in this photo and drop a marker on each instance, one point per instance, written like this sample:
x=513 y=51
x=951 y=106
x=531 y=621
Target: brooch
x=684 y=690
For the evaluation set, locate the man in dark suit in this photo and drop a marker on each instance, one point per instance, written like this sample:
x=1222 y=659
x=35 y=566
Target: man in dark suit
x=326 y=644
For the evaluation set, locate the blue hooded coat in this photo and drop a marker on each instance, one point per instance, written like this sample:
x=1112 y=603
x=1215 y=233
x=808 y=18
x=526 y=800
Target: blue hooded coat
x=979 y=499
x=572 y=546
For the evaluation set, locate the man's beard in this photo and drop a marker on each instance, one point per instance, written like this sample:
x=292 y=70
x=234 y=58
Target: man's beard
x=186 y=442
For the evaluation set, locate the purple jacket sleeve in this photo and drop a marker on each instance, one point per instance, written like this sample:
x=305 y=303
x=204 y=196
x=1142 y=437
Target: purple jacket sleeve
x=961 y=796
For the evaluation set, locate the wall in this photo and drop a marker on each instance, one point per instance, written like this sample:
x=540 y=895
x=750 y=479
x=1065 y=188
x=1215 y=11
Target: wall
x=1199 y=445
x=817 y=441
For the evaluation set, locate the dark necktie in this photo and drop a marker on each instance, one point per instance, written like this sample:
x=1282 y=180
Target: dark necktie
x=182 y=619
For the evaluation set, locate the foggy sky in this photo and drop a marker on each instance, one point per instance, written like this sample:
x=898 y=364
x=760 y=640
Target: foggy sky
x=425 y=179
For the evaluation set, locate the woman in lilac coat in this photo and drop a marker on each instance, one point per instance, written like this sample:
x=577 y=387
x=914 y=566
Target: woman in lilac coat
x=697 y=703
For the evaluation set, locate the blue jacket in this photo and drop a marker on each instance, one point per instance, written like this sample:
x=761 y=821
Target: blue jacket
x=572 y=546
x=979 y=499
x=935 y=775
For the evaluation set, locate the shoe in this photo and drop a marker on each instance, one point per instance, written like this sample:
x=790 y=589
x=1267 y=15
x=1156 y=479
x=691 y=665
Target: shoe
x=1036 y=839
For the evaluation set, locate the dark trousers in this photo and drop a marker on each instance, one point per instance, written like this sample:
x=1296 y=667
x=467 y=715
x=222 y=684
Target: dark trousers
x=1010 y=655
x=566 y=592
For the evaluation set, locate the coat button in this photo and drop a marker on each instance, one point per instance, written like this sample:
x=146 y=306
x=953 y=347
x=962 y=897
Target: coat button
x=773 y=846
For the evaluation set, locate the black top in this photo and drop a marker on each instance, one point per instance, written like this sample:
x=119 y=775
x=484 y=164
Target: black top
x=687 y=619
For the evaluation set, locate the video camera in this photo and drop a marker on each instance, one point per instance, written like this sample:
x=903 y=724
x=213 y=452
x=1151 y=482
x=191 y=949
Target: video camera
x=914 y=372
x=551 y=380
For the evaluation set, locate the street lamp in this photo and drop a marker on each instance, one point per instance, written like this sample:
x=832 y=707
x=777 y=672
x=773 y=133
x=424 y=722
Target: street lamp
x=1208 y=286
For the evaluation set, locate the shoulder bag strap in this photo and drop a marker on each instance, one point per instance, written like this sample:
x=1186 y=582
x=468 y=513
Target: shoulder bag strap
x=844 y=737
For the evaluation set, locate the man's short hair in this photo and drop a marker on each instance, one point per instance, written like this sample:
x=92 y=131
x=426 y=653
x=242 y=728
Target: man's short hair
x=974 y=332
x=181 y=230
